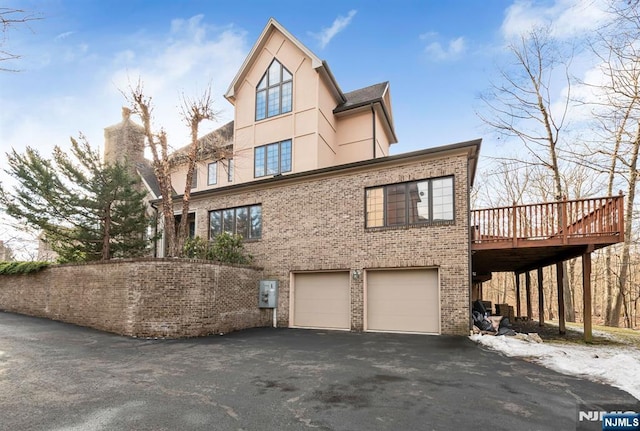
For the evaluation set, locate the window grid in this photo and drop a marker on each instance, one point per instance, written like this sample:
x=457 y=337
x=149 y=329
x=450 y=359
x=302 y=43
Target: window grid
x=272 y=159
x=412 y=203
x=442 y=198
x=245 y=221
x=274 y=94
x=375 y=207
x=396 y=205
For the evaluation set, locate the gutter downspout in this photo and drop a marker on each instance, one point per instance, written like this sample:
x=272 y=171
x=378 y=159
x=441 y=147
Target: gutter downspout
x=373 y=116
x=469 y=244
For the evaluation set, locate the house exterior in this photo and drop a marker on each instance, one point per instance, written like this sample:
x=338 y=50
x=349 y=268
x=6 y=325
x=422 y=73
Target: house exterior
x=357 y=239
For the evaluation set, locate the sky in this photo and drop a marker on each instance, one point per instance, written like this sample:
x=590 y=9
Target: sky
x=618 y=366
x=437 y=56
x=79 y=58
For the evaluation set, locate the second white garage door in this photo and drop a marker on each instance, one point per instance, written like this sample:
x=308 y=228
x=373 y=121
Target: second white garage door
x=403 y=301
x=322 y=300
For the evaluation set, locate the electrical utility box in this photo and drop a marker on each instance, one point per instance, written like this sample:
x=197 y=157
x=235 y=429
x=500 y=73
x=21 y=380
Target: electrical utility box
x=268 y=294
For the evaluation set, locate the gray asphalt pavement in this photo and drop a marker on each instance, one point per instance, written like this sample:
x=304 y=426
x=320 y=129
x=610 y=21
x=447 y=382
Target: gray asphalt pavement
x=55 y=376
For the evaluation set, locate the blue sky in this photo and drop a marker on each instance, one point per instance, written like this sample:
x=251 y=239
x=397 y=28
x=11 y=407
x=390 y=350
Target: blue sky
x=438 y=56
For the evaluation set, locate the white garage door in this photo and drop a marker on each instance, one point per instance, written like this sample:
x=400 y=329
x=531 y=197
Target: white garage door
x=403 y=300
x=322 y=300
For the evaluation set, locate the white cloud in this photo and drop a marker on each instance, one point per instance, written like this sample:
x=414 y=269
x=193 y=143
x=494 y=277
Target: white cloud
x=565 y=18
x=187 y=63
x=46 y=105
x=453 y=49
x=428 y=35
x=64 y=35
x=338 y=25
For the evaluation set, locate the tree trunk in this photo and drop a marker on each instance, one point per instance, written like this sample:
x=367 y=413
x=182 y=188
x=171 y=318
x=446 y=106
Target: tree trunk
x=628 y=231
x=568 y=290
x=608 y=314
x=106 y=239
x=549 y=293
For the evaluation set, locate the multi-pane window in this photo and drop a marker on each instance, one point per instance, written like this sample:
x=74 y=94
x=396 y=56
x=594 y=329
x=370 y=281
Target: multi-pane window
x=272 y=159
x=212 y=175
x=415 y=202
x=275 y=92
x=244 y=221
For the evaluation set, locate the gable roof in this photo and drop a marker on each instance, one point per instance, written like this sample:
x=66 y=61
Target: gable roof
x=208 y=145
x=370 y=96
x=363 y=96
x=319 y=65
x=145 y=170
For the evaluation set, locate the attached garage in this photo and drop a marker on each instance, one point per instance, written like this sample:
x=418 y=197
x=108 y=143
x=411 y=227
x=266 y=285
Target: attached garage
x=321 y=300
x=402 y=301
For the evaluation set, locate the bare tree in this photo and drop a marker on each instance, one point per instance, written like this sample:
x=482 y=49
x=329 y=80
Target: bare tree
x=617 y=111
x=9 y=18
x=521 y=106
x=194 y=112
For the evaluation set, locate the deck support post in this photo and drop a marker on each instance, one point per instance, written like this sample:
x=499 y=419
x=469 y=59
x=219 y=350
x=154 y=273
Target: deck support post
x=559 y=281
x=527 y=278
x=586 y=298
x=517 y=275
x=540 y=298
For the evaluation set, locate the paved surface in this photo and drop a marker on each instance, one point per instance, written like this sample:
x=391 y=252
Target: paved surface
x=55 y=376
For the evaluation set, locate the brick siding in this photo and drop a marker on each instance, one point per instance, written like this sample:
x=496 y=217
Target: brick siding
x=318 y=223
x=166 y=298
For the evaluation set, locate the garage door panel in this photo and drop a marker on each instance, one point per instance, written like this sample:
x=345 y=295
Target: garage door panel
x=322 y=300
x=403 y=301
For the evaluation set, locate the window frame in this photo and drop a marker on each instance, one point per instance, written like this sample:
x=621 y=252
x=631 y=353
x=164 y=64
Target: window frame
x=215 y=178
x=191 y=223
x=230 y=171
x=280 y=85
x=265 y=159
x=249 y=229
x=194 y=179
x=430 y=221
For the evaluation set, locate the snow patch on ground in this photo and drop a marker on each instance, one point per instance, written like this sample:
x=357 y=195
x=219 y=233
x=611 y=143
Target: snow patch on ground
x=617 y=366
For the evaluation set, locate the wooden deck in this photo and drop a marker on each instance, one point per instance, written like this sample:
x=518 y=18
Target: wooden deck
x=520 y=238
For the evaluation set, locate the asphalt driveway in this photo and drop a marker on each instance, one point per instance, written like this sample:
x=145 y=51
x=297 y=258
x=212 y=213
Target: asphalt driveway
x=55 y=376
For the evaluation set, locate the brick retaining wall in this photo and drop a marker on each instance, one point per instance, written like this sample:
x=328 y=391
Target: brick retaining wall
x=141 y=297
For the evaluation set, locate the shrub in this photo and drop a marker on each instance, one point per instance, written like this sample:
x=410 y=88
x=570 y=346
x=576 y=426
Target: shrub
x=12 y=268
x=229 y=248
x=225 y=248
x=196 y=248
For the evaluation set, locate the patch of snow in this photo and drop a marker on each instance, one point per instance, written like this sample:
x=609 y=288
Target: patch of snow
x=616 y=366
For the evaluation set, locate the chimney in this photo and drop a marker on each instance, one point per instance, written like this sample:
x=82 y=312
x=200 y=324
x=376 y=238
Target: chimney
x=124 y=142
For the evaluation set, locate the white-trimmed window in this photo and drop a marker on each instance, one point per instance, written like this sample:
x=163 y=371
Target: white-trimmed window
x=274 y=94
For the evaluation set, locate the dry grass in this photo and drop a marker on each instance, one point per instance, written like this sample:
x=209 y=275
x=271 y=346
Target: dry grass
x=602 y=335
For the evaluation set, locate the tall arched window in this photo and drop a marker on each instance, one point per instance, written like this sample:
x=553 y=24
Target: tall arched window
x=275 y=92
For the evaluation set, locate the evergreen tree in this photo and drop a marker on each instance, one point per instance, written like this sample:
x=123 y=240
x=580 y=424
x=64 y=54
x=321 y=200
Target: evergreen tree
x=86 y=209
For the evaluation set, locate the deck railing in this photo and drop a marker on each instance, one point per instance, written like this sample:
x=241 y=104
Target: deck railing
x=552 y=222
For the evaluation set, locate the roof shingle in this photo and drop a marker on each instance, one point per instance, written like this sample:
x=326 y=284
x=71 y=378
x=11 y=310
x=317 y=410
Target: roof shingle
x=362 y=97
